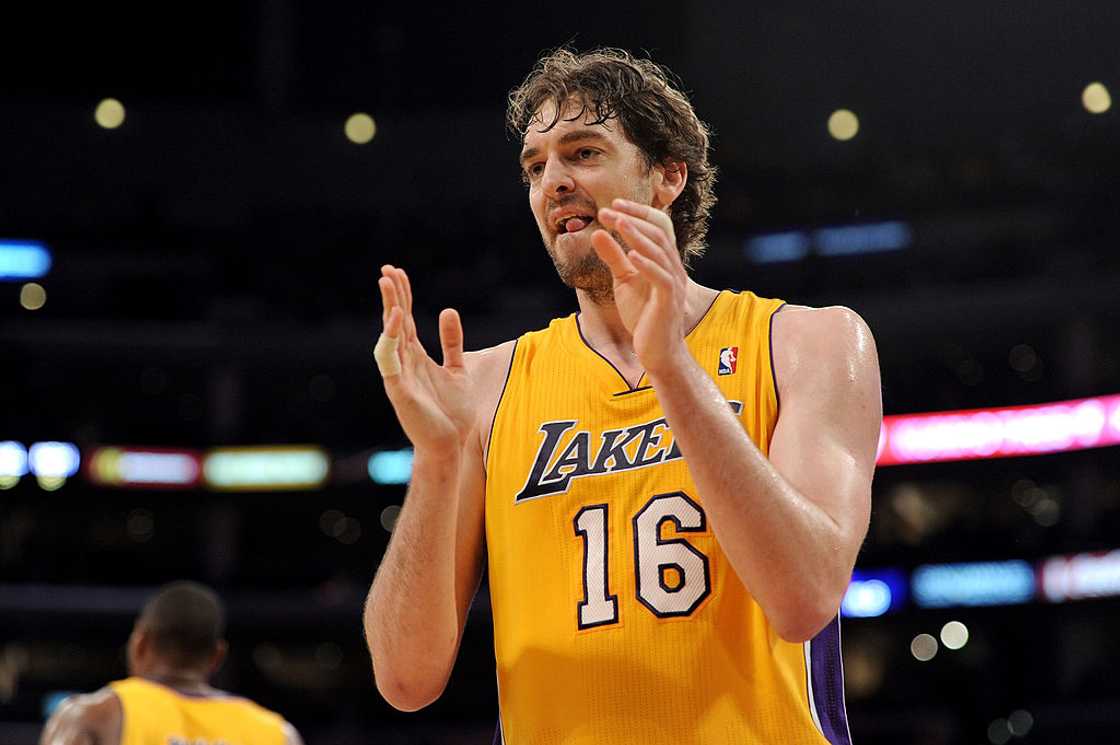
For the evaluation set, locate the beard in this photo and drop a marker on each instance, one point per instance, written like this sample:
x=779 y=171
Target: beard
x=588 y=272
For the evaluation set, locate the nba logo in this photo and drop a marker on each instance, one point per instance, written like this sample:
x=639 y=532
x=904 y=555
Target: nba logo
x=728 y=360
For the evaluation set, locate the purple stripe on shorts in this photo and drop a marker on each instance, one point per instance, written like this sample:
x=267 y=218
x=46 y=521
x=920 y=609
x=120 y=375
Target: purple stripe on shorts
x=827 y=679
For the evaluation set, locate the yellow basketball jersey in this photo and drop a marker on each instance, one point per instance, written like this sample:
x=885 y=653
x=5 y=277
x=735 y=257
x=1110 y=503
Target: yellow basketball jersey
x=157 y=715
x=617 y=617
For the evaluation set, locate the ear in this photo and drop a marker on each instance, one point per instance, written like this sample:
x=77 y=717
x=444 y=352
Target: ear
x=221 y=649
x=139 y=645
x=669 y=181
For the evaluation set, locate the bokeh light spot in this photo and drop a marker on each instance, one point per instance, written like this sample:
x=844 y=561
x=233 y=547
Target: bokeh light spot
x=360 y=128
x=843 y=125
x=32 y=296
x=923 y=647
x=954 y=635
x=1096 y=98
x=109 y=114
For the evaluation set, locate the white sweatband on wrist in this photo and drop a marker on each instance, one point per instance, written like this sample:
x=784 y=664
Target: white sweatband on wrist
x=385 y=353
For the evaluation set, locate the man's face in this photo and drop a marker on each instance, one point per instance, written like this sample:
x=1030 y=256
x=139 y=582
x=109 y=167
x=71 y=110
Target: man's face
x=572 y=170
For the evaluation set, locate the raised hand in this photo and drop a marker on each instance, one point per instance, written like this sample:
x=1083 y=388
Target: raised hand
x=432 y=401
x=650 y=282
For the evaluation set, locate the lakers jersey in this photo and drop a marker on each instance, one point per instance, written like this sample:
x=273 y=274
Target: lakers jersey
x=157 y=715
x=617 y=616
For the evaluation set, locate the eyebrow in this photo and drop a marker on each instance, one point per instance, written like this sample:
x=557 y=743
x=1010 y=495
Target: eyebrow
x=567 y=138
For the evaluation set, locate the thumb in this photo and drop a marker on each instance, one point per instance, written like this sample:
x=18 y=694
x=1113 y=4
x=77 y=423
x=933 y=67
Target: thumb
x=451 y=338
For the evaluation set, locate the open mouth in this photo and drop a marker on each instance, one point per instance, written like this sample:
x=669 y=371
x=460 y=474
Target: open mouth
x=574 y=224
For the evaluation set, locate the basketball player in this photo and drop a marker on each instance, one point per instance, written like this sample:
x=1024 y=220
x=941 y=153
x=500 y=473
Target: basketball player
x=670 y=486
x=175 y=646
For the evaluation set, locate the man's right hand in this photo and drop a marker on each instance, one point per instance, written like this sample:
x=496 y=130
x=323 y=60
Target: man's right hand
x=432 y=401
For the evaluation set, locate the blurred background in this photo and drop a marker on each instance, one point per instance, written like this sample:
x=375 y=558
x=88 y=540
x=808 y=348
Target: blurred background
x=195 y=201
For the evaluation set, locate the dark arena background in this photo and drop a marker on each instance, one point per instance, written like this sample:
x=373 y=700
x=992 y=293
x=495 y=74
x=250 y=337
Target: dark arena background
x=194 y=204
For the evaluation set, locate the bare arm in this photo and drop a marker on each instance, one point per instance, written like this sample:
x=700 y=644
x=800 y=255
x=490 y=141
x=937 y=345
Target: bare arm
x=417 y=607
x=418 y=602
x=93 y=719
x=791 y=525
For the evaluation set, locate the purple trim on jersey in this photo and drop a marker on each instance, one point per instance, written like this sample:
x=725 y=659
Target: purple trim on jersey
x=827 y=679
x=494 y=420
x=629 y=388
x=773 y=370
x=498 y=733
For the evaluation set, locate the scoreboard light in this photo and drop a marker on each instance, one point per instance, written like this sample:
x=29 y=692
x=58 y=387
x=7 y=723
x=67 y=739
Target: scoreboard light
x=1000 y=433
x=13 y=463
x=158 y=468
x=873 y=593
x=973 y=584
x=773 y=248
x=1081 y=576
x=391 y=466
x=53 y=463
x=23 y=260
x=53 y=700
x=266 y=468
x=852 y=240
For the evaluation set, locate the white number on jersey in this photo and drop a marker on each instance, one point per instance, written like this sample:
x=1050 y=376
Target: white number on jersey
x=672 y=576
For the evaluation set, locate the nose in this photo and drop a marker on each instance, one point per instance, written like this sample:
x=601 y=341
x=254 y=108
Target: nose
x=556 y=179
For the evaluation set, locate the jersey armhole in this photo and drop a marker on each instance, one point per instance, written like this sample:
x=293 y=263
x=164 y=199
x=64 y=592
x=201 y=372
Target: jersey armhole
x=773 y=367
x=498 y=409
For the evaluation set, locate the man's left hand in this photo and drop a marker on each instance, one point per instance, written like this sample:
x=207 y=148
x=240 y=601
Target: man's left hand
x=650 y=282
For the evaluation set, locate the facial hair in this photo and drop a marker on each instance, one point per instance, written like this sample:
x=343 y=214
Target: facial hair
x=588 y=272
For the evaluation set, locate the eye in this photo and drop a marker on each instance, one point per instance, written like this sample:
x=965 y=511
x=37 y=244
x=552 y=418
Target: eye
x=586 y=153
x=532 y=171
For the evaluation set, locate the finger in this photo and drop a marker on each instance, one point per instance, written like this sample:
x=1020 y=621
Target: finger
x=653 y=273
x=615 y=220
x=451 y=338
x=393 y=323
x=404 y=300
x=386 y=352
x=388 y=298
x=648 y=212
x=407 y=286
x=641 y=241
x=632 y=226
x=612 y=255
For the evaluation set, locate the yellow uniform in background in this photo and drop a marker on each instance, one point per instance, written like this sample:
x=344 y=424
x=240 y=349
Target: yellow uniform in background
x=617 y=616
x=157 y=715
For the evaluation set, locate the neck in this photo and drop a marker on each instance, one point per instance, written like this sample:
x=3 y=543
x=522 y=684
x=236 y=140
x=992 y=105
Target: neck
x=602 y=325
x=175 y=677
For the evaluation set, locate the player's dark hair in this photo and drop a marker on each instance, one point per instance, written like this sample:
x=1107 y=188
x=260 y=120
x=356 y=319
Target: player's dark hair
x=185 y=621
x=654 y=113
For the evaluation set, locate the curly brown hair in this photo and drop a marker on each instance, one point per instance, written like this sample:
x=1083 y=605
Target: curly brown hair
x=654 y=113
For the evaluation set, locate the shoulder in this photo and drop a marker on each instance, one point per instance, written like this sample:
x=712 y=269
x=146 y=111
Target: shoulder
x=489 y=369
x=101 y=706
x=832 y=343
x=291 y=735
x=801 y=324
x=491 y=362
x=97 y=714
